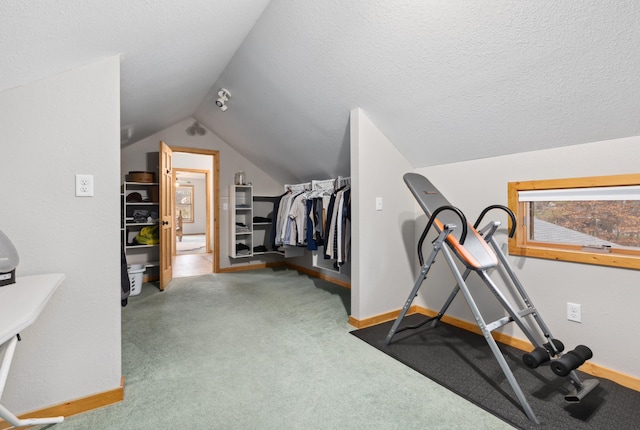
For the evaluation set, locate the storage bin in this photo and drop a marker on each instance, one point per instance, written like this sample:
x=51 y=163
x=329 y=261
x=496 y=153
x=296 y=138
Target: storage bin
x=141 y=177
x=135 y=278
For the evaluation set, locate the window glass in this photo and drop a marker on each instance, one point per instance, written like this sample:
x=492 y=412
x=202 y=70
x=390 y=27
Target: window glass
x=184 y=202
x=587 y=223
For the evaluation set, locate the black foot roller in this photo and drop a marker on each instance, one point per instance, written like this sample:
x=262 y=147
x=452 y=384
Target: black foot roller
x=571 y=360
x=558 y=345
x=536 y=357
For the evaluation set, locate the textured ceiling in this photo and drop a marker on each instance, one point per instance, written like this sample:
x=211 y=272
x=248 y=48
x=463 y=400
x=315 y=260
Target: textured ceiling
x=171 y=51
x=444 y=81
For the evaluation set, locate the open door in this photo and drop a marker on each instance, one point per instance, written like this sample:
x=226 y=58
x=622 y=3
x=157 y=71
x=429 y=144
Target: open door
x=166 y=214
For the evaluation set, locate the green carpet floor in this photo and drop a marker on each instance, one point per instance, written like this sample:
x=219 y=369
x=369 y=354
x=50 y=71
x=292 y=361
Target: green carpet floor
x=264 y=349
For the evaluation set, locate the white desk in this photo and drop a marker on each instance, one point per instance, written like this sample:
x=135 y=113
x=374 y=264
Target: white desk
x=20 y=305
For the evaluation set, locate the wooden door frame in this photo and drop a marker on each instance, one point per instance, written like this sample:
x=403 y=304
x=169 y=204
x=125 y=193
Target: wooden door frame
x=215 y=169
x=207 y=204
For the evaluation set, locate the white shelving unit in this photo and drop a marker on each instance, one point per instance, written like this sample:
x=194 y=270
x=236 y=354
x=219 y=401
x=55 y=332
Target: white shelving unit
x=241 y=221
x=264 y=206
x=148 y=255
x=246 y=234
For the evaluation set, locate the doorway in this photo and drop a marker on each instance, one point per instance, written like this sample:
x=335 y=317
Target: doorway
x=192 y=231
x=196 y=245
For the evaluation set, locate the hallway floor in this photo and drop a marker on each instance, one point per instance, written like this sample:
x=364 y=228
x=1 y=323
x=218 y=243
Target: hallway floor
x=192 y=265
x=191 y=244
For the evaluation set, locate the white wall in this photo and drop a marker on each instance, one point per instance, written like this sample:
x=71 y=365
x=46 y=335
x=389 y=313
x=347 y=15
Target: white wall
x=609 y=296
x=51 y=130
x=142 y=155
x=383 y=241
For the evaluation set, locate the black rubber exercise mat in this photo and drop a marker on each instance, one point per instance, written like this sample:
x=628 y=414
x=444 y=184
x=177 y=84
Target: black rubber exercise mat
x=462 y=362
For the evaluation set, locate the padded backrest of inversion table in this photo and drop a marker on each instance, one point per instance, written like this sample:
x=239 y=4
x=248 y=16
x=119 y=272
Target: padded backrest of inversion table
x=475 y=253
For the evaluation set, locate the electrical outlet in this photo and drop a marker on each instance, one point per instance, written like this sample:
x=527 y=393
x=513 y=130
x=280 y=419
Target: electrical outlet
x=378 y=203
x=574 y=312
x=84 y=185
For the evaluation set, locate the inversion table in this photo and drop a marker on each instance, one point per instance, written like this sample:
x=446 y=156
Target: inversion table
x=20 y=305
x=479 y=252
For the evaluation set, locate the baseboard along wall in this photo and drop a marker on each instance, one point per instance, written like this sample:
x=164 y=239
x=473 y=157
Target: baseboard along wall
x=301 y=269
x=250 y=267
x=76 y=406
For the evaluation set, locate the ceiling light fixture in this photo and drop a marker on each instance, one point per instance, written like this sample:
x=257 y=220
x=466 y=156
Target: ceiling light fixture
x=125 y=134
x=196 y=128
x=223 y=97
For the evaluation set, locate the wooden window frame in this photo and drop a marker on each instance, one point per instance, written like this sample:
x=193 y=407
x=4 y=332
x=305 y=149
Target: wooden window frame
x=519 y=244
x=191 y=203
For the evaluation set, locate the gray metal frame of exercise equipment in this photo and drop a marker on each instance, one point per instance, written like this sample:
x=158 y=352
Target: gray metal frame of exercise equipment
x=423 y=190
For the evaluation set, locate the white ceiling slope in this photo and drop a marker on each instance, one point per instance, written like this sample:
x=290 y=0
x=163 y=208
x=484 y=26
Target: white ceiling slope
x=444 y=81
x=171 y=51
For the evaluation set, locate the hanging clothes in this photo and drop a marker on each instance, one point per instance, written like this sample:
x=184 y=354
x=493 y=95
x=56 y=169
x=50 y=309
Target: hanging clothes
x=312 y=244
x=344 y=254
x=125 y=282
x=283 y=210
x=315 y=215
x=328 y=240
x=297 y=215
x=274 y=221
x=339 y=221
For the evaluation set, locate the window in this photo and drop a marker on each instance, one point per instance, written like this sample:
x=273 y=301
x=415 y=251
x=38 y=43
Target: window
x=184 y=202
x=593 y=220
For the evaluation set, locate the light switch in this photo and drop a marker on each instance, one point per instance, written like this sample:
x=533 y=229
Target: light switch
x=378 y=203
x=225 y=206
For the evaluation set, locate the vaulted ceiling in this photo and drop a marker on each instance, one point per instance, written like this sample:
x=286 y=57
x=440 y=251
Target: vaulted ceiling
x=444 y=81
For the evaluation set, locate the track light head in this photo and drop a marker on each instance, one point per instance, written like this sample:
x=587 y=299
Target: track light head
x=223 y=96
